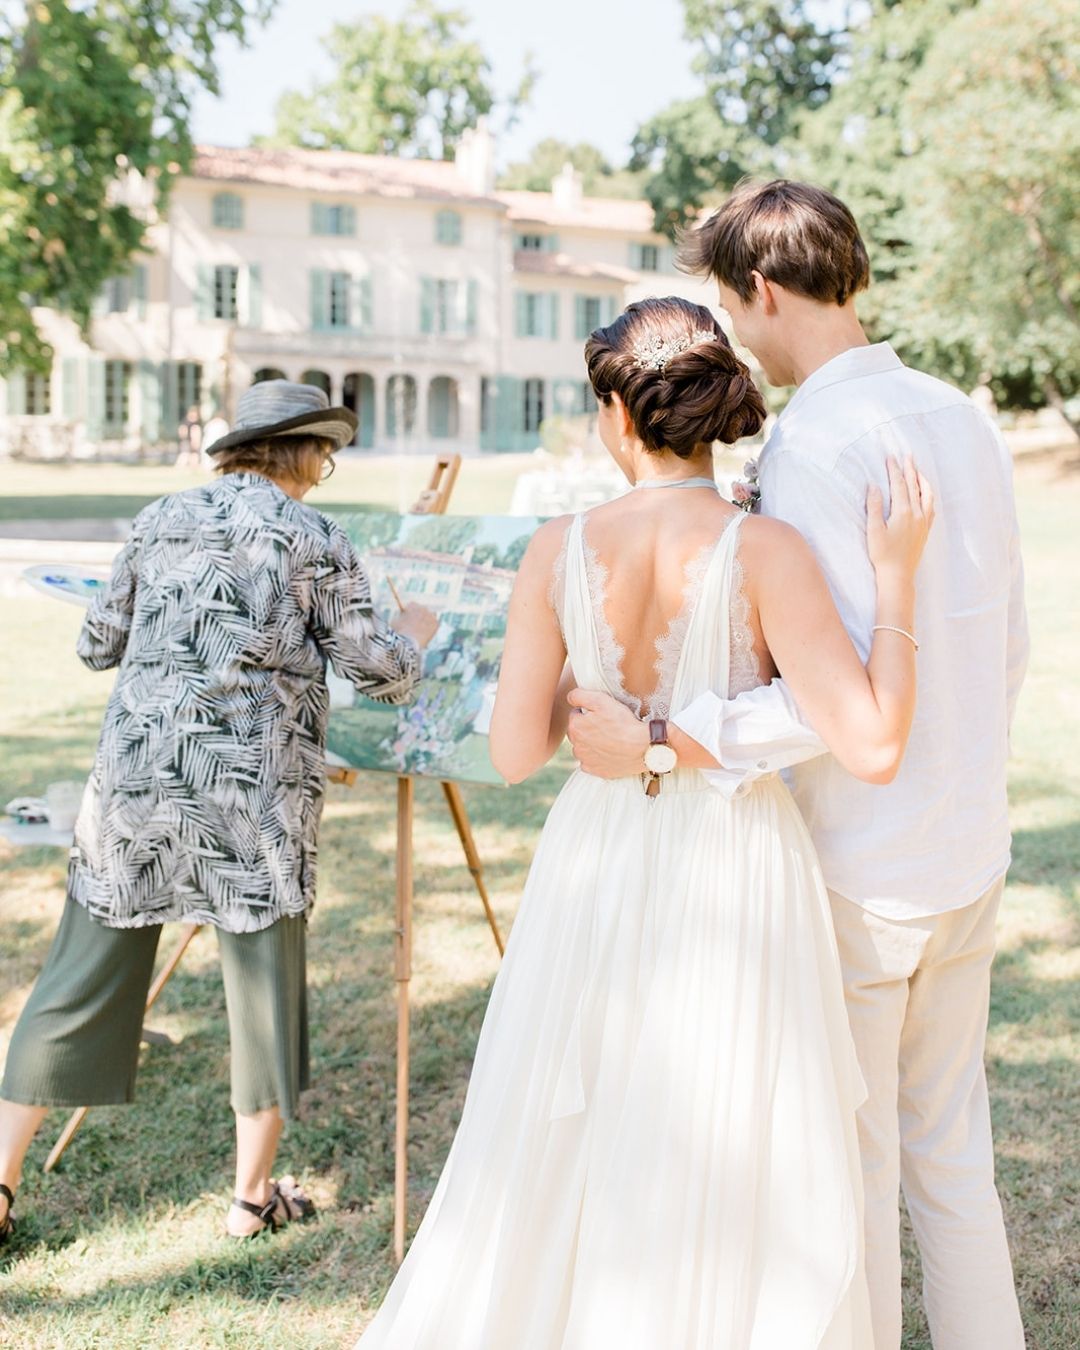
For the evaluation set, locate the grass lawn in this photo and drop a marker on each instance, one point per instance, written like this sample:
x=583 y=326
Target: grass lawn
x=122 y=1248
x=93 y=491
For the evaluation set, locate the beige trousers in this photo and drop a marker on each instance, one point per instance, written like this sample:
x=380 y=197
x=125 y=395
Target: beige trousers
x=918 y=994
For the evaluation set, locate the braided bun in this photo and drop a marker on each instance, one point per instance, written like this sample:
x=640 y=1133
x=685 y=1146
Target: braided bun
x=674 y=369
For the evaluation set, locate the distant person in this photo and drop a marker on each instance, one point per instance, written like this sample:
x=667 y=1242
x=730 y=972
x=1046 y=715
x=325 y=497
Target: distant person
x=215 y=429
x=204 y=801
x=190 y=435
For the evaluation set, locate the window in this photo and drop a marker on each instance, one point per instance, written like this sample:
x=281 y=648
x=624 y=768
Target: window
x=226 y=281
x=319 y=378
x=533 y=405
x=268 y=373
x=116 y=295
x=117 y=388
x=332 y=218
x=38 y=395
x=645 y=257
x=532 y=242
x=448 y=227
x=340 y=288
x=588 y=314
x=537 y=314
x=447 y=306
x=227 y=211
x=340 y=302
x=586 y=398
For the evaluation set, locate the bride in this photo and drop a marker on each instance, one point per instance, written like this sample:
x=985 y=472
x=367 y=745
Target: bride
x=657 y=1149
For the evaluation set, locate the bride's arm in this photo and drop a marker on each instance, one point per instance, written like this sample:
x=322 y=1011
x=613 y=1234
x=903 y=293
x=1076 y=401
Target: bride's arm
x=529 y=720
x=863 y=713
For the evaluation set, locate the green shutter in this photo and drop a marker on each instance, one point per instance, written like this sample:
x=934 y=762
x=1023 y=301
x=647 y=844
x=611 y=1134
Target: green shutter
x=551 y=243
x=427 y=305
x=150 y=401
x=471 y=297
x=521 y=314
x=16 y=394
x=509 y=412
x=348 y=219
x=252 y=316
x=553 y=316
x=69 y=389
x=95 y=399
x=581 y=316
x=319 y=285
x=140 y=289
x=366 y=306
x=204 y=292
x=611 y=308
x=318 y=218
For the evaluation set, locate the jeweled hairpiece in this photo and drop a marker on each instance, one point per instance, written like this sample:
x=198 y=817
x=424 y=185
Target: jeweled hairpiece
x=653 y=352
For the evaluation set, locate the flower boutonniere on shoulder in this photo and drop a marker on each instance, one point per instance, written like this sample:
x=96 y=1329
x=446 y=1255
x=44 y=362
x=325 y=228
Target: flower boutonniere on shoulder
x=746 y=491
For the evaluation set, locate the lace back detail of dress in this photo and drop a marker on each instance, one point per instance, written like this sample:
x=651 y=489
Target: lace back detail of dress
x=745 y=670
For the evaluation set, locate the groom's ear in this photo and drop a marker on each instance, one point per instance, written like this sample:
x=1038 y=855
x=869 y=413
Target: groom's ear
x=764 y=292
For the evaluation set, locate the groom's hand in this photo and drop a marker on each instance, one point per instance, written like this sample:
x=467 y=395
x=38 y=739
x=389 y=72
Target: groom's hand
x=608 y=740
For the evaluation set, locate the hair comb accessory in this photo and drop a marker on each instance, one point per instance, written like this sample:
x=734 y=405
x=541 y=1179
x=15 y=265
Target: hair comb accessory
x=653 y=352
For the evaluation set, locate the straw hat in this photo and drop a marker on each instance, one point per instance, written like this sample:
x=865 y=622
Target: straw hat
x=281 y=408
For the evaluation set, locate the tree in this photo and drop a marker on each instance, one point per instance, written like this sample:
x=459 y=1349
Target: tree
x=994 y=192
x=599 y=178
x=408 y=86
x=87 y=96
x=762 y=62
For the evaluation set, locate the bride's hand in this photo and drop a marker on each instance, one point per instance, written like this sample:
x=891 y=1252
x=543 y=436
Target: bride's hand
x=895 y=546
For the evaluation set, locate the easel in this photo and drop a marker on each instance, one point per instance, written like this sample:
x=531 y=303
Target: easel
x=433 y=500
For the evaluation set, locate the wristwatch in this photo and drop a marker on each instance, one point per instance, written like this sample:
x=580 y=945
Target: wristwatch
x=660 y=758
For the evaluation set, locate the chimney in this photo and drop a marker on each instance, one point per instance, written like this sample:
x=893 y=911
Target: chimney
x=475 y=158
x=566 y=188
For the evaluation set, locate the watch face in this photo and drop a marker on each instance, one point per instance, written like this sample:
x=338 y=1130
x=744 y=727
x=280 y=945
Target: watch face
x=660 y=759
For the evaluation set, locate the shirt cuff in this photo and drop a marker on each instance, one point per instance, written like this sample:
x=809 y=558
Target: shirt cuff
x=757 y=734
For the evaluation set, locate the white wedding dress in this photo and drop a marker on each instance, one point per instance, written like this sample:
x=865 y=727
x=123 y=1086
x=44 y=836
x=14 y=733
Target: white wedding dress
x=657 y=1149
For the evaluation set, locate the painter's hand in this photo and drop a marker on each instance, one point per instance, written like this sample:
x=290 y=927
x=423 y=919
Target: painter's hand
x=416 y=622
x=608 y=740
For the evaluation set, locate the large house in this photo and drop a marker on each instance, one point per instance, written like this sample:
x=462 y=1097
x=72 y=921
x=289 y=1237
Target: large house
x=447 y=313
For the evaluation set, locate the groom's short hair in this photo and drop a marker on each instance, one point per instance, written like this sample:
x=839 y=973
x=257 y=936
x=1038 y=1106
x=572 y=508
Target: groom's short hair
x=795 y=234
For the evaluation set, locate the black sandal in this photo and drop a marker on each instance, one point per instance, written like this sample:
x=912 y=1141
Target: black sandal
x=297 y=1206
x=8 y=1226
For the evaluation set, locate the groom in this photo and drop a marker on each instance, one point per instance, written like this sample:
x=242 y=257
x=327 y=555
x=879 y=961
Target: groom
x=915 y=869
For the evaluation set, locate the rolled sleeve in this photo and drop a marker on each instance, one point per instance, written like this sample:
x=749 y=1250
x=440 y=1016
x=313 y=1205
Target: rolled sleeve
x=759 y=733
x=103 y=638
x=361 y=646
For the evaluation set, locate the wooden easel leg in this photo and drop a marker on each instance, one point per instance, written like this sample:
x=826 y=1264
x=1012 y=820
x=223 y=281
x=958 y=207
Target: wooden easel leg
x=461 y=819
x=402 y=974
x=75 y=1120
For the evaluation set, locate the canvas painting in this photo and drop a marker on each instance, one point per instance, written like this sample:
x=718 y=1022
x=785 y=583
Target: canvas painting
x=463 y=568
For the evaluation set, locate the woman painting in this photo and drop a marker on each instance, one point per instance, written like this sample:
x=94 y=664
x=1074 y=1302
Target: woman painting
x=203 y=804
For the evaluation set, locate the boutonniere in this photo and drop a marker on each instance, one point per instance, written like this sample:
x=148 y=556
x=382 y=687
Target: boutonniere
x=745 y=491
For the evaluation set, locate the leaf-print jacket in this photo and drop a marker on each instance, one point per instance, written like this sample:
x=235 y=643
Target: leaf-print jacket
x=221 y=612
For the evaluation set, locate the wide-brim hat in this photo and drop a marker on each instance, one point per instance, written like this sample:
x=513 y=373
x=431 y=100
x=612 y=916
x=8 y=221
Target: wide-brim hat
x=274 y=408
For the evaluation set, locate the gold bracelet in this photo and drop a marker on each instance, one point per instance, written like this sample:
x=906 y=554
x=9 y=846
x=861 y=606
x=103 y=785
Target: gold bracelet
x=889 y=628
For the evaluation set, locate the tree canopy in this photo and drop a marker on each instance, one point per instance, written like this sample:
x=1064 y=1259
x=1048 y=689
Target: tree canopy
x=408 y=86
x=87 y=95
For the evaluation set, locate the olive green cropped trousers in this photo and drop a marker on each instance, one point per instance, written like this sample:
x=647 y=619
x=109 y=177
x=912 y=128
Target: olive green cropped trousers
x=76 y=1042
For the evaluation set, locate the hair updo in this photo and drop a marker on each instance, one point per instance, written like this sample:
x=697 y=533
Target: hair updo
x=673 y=367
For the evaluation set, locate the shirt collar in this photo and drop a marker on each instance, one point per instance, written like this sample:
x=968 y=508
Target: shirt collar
x=850 y=365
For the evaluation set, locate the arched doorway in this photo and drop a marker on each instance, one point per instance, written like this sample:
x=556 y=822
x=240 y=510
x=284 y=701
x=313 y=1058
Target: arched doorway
x=443 y=408
x=268 y=373
x=358 y=394
x=318 y=378
x=400 y=405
